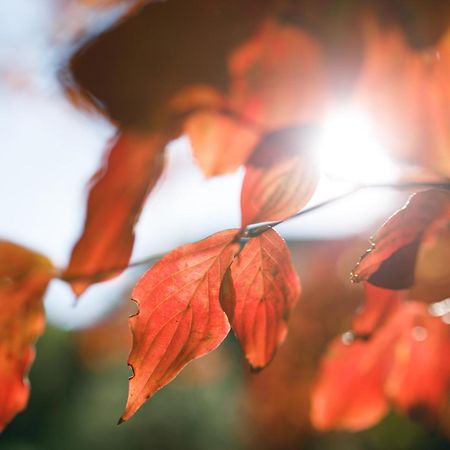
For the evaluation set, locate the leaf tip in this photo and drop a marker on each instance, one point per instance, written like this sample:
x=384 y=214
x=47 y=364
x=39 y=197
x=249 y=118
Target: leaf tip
x=121 y=420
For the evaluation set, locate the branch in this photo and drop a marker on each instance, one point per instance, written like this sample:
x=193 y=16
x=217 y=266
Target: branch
x=260 y=228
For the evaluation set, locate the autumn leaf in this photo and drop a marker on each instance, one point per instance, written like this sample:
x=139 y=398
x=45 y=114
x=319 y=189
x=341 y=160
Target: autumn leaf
x=378 y=304
x=407 y=93
x=278 y=76
x=360 y=378
x=258 y=295
x=281 y=176
x=220 y=143
x=390 y=262
x=24 y=276
x=179 y=317
x=432 y=271
x=420 y=377
x=349 y=390
x=117 y=193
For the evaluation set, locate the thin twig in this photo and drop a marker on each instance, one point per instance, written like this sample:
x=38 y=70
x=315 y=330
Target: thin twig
x=258 y=229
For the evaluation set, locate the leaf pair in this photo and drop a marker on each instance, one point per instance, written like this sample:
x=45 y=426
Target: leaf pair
x=181 y=317
x=24 y=276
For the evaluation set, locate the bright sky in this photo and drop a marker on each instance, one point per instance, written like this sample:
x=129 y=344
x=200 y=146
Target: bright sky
x=48 y=152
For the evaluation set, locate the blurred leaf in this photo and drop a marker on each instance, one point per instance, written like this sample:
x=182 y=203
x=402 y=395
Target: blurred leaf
x=117 y=193
x=403 y=362
x=278 y=76
x=220 y=144
x=24 y=276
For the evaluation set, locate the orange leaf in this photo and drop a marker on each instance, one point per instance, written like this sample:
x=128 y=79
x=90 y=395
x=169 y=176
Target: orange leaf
x=24 y=276
x=180 y=317
x=258 y=295
x=281 y=176
x=278 y=76
x=117 y=194
x=378 y=305
x=432 y=271
x=349 y=390
x=219 y=143
x=420 y=377
x=407 y=92
x=390 y=262
x=403 y=363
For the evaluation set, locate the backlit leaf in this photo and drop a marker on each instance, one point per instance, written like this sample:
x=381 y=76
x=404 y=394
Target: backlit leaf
x=378 y=305
x=117 y=194
x=278 y=77
x=420 y=378
x=407 y=92
x=403 y=363
x=258 y=295
x=179 y=317
x=24 y=276
x=390 y=262
x=220 y=144
x=281 y=176
x=349 y=391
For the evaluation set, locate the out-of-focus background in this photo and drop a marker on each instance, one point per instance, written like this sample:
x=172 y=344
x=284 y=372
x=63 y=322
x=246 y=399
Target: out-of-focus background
x=48 y=152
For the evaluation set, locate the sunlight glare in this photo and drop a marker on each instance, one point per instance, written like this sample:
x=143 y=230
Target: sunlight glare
x=349 y=150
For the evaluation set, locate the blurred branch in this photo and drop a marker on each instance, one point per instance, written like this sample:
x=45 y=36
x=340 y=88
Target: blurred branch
x=258 y=229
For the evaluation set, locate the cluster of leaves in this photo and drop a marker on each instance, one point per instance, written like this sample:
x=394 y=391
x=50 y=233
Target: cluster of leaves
x=246 y=97
x=396 y=350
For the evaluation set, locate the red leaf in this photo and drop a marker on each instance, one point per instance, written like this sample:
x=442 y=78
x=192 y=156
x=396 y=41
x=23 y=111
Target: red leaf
x=407 y=92
x=378 y=305
x=420 y=377
x=278 y=77
x=219 y=143
x=24 y=276
x=432 y=271
x=281 y=176
x=180 y=317
x=117 y=194
x=349 y=391
x=403 y=363
x=390 y=262
x=258 y=295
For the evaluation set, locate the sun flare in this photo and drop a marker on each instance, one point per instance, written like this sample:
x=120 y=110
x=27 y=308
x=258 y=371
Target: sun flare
x=349 y=150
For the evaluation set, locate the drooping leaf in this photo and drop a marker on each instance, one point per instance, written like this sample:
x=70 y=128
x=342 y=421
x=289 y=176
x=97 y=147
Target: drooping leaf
x=278 y=76
x=390 y=262
x=281 y=176
x=407 y=92
x=117 y=193
x=220 y=143
x=179 y=317
x=378 y=305
x=420 y=377
x=258 y=295
x=349 y=390
x=432 y=271
x=135 y=68
x=24 y=276
x=402 y=363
